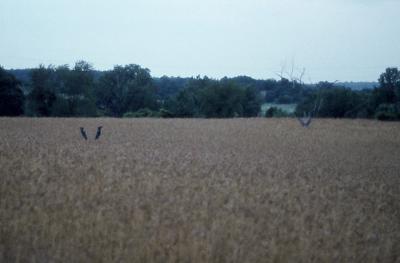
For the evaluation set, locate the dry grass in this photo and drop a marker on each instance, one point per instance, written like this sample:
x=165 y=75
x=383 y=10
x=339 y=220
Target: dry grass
x=243 y=190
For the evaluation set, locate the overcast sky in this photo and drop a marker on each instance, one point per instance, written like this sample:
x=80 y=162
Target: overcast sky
x=333 y=39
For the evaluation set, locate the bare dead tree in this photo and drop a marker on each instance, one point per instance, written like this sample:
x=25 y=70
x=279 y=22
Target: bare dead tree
x=295 y=76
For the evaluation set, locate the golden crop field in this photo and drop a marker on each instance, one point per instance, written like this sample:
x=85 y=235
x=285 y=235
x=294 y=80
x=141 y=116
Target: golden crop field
x=240 y=190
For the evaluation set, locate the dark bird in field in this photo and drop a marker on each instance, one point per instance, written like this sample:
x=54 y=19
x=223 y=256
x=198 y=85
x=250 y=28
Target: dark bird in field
x=98 y=134
x=83 y=133
x=305 y=121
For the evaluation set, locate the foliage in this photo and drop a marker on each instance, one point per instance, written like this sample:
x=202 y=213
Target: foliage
x=329 y=100
x=251 y=102
x=82 y=91
x=142 y=113
x=164 y=113
x=61 y=107
x=385 y=100
x=276 y=112
x=11 y=96
x=63 y=92
x=167 y=87
x=284 y=91
x=221 y=100
x=289 y=109
x=208 y=98
x=42 y=96
x=186 y=104
x=124 y=89
x=387 y=112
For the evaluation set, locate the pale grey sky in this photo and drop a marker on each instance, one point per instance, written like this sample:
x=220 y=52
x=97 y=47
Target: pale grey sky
x=333 y=39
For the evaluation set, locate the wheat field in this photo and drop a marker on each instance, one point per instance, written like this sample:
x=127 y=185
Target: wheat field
x=240 y=190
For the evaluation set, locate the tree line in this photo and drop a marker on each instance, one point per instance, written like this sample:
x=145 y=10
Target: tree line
x=131 y=91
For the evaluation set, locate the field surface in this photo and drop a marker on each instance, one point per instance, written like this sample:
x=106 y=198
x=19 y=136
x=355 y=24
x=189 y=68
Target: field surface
x=241 y=190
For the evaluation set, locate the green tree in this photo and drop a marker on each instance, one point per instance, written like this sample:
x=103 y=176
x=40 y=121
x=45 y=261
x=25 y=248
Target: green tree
x=251 y=102
x=328 y=100
x=276 y=112
x=75 y=91
x=42 y=96
x=222 y=100
x=386 y=112
x=169 y=86
x=81 y=90
x=126 y=89
x=204 y=97
x=185 y=104
x=11 y=96
x=389 y=83
x=385 y=99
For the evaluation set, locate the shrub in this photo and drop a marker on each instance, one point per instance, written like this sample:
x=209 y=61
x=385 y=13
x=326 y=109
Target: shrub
x=276 y=112
x=166 y=113
x=386 y=112
x=142 y=113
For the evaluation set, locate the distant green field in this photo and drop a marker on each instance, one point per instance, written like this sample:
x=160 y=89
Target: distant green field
x=289 y=108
